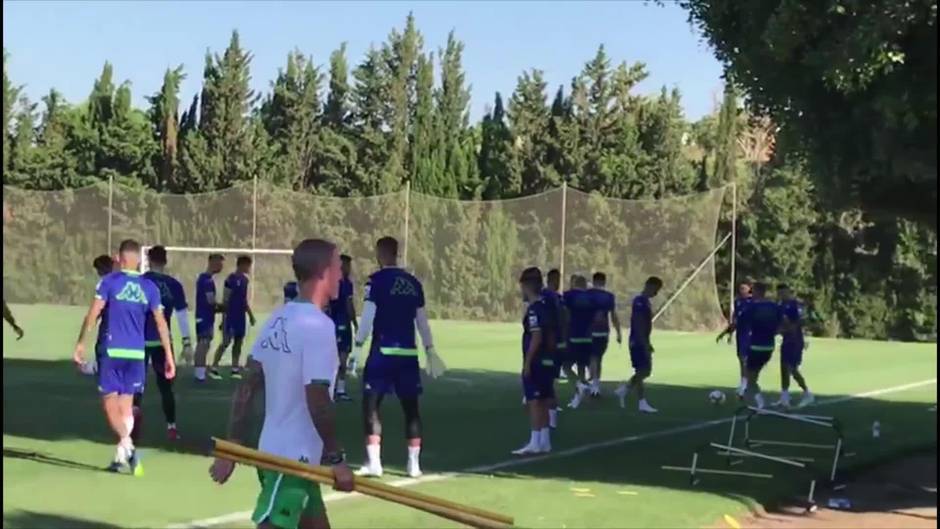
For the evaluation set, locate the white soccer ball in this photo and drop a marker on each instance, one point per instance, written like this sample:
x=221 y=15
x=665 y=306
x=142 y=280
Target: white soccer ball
x=88 y=368
x=716 y=397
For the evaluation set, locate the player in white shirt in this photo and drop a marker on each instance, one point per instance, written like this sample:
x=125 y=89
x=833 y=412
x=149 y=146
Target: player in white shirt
x=294 y=362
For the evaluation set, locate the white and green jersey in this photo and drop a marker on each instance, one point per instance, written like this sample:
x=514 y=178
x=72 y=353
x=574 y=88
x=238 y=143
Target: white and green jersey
x=295 y=347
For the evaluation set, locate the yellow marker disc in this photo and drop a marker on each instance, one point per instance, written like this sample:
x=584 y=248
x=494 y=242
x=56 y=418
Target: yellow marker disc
x=575 y=489
x=732 y=522
x=627 y=492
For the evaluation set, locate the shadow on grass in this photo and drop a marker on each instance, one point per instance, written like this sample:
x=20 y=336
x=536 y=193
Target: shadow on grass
x=35 y=520
x=474 y=418
x=40 y=457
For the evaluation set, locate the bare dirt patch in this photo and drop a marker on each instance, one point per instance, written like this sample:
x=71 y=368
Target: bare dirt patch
x=902 y=494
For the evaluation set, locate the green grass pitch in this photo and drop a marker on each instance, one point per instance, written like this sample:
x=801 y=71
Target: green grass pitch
x=55 y=439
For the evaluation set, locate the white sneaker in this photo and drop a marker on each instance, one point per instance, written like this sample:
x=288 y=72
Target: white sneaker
x=808 y=398
x=621 y=393
x=645 y=407
x=782 y=403
x=527 y=450
x=575 y=401
x=414 y=469
x=545 y=448
x=370 y=471
x=759 y=400
x=553 y=419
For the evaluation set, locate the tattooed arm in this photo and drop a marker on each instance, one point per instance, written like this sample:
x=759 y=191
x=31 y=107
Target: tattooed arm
x=239 y=422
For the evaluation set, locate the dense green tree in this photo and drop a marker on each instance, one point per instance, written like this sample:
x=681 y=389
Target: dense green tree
x=528 y=121
x=10 y=95
x=826 y=71
x=495 y=157
x=291 y=116
x=165 y=119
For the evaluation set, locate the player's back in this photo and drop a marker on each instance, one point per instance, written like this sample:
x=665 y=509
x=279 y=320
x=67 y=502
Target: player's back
x=237 y=283
x=582 y=312
x=641 y=317
x=763 y=318
x=295 y=347
x=339 y=307
x=290 y=291
x=741 y=327
x=172 y=298
x=397 y=296
x=604 y=303
x=129 y=298
x=540 y=315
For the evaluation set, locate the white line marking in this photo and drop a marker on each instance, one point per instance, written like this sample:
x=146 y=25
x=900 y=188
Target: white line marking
x=336 y=496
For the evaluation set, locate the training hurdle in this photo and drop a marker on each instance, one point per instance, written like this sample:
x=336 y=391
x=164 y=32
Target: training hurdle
x=747 y=414
x=740 y=447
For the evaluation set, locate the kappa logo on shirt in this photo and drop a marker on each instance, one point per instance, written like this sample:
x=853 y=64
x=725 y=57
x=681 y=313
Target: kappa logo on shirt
x=132 y=293
x=403 y=287
x=277 y=337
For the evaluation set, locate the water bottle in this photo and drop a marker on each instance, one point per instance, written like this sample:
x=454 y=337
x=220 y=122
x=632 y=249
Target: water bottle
x=876 y=429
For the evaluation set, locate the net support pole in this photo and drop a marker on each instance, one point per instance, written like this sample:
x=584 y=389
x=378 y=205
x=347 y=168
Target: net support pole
x=110 y=212
x=564 y=225
x=732 y=285
x=254 y=229
x=404 y=253
x=689 y=279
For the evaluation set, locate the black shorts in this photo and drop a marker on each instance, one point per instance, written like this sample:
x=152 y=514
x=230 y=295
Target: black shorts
x=599 y=345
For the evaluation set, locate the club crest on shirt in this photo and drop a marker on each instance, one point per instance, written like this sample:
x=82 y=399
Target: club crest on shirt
x=403 y=287
x=277 y=337
x=132 y=293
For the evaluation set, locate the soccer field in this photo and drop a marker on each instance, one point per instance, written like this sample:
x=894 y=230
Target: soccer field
x=604 y=471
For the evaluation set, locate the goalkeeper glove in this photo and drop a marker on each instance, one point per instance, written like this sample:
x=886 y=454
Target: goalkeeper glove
x=187 y=355
x=435 y=365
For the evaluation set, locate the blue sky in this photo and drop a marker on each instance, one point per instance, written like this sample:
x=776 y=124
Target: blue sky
x=64 y=44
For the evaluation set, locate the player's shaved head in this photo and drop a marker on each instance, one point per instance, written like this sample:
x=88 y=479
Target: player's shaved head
x=243 y=263
x=386 y=251
x=345 y=258
x=129 y=246
x=316 y=266
x=157 y=255
x=129 y=254
x=531 y=281
x=599 y=279
x=578 y=281
x=103 y=264
x=311 y=258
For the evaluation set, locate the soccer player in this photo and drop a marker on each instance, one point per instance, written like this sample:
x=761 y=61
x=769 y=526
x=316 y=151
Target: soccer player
x=393 y=308
x=128 y=298
x=103 y=265
x=290 y=291
x=581 y=312
x=741 y=333
x=343 y=313
x=206 y=308
x=293 y=363
x=235 y=303
x=641 y=348
x=538 y=368
x=553 y=299
x=8 y=317
x=173 y=299
x=606 y=306
x=764 y=318
x=791 y=350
